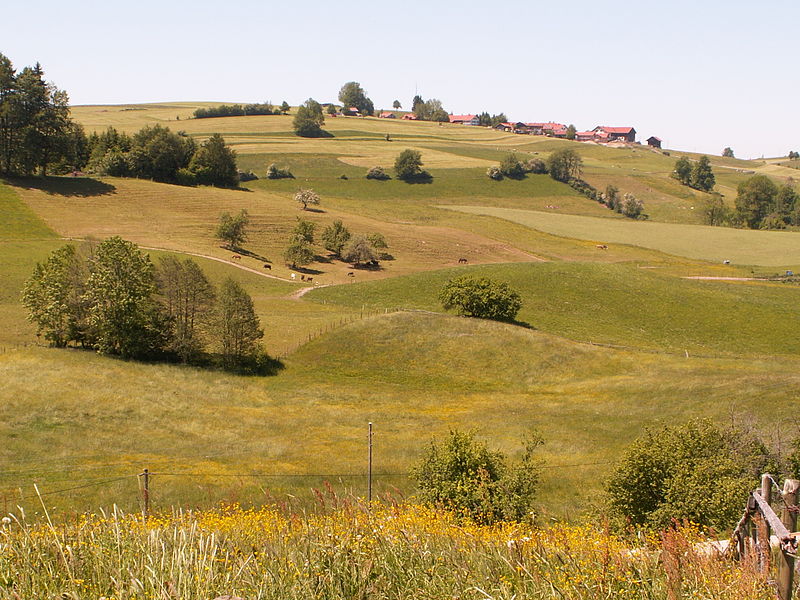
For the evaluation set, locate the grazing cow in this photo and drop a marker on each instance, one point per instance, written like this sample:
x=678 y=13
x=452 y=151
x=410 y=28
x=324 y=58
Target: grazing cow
x=309 y=279
x=601 y=247
x=293 y=276
x=268 y=266
x=236 y=257
x=462 y=261
x=726 y=262
x=351 y=274
x=302 y=277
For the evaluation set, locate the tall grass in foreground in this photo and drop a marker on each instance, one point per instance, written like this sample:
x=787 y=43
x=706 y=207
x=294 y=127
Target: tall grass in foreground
x=351 y=552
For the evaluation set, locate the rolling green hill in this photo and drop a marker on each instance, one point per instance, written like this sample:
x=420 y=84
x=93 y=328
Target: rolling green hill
x=609 y=341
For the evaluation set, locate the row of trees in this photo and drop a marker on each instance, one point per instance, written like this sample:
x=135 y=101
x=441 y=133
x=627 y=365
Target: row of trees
x=112 y=298
x=429 y=110
x=156 y=153
x=698 y=175
x=36 y=132
x=357 y=250
x=241 y=110
x=760 y=204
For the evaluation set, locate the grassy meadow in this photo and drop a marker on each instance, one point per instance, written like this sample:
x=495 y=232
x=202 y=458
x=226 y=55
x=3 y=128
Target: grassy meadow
x=347 y=550
x=608 y=341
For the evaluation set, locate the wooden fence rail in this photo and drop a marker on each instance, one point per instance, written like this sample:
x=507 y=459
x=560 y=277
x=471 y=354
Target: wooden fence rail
x=751 y=536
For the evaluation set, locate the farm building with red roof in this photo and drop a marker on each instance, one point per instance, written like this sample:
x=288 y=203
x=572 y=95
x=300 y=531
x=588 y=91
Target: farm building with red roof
x=626 y=134
x=465 y=119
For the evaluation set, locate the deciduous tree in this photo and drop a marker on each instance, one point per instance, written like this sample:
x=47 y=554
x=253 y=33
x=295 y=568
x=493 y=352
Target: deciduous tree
x=306 y=197
x=408 y=165
x=352 y=94
x=683 y=170
x=187 y=300
x=308 y=120
x=360 y=252
x=237 y=326
x=755 y=199
x=335 y=237
x=124 y=314
x=564 y=165
x=55 y=297
x=214 y=163
x=233 y=229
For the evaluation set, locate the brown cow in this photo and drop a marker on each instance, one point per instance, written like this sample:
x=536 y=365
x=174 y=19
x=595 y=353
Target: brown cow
x=236 y=257
x=462 y=261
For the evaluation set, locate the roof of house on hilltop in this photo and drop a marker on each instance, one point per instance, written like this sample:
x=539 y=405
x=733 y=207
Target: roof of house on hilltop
x=461 y=118
x=614 y=129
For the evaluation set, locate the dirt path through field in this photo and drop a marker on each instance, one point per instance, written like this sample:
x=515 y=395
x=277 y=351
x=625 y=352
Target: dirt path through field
x=710 y=278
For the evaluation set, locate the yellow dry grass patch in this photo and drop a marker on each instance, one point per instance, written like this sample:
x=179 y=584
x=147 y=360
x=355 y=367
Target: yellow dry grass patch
x=185 y=219
x=360 y=153
x=132 y=117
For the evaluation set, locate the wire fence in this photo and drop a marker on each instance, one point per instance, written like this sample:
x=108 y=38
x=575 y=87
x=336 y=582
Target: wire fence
x=147 y=486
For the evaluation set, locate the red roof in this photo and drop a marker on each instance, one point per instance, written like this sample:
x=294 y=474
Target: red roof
x=461 y=118
x=387 y=115
x=549 y=125
x=624 y=130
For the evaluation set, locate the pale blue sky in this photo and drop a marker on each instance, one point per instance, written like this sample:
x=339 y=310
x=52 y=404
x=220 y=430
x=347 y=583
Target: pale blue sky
x=701 y=74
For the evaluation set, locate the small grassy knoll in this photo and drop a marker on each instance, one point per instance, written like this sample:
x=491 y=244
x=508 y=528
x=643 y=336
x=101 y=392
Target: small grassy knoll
x=615 y=304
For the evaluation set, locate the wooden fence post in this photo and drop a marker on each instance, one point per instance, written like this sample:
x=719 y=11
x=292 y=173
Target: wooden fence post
x=763 y=526
x=145 y=493
x=789 y=519
x=369 y=467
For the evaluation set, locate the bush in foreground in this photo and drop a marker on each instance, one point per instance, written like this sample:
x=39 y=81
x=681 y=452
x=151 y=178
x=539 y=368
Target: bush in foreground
x=481 y=297
x=463 y=475
x=694 y=471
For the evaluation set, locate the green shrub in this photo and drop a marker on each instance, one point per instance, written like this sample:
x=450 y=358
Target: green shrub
x=463 y=475
x=511 y=167
x=482 y=298
x=274 y=172
x=536 y=166
x=694 y=471
x=378 y=173
x=494 y=173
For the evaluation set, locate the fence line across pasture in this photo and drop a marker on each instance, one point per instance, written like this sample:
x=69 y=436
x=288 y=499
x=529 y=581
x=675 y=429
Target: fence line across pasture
x=146 y=479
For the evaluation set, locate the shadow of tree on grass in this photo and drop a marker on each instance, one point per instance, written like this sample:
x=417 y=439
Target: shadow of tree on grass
x=76 y=187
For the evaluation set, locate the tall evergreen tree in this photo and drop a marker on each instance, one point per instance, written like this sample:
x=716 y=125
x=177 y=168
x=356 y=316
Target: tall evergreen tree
x=35 y=129
x=702 y=175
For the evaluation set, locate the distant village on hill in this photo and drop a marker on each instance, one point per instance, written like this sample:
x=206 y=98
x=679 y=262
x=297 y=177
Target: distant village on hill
x=601 y=134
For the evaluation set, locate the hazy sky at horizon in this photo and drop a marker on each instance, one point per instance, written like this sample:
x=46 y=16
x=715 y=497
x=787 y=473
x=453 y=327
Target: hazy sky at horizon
x=701 y=74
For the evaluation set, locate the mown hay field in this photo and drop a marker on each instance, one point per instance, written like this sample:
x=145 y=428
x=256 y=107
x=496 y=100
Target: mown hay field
x=716 y=244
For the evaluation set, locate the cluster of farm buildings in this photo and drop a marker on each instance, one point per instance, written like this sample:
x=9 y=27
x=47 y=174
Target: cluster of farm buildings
x=599 y=135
